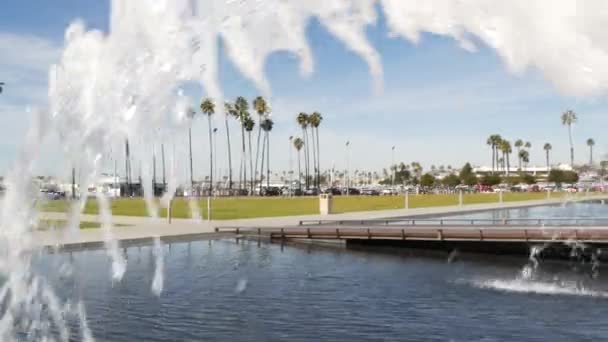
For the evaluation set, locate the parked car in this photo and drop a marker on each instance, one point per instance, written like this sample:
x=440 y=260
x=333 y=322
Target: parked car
x=292 y=192
x=271 y=191
x=311 y=192
x=351 y=191
x=389 y=192
x=370 y=192
x=333 y=191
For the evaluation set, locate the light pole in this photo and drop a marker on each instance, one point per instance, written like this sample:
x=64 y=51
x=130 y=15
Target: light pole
x=347 y=169
x=392 y=168
x=290 y=167
x=215 y=155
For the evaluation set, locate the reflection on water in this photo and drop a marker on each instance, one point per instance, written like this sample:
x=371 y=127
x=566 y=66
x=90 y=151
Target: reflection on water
x=588 y=213
x=227 y=291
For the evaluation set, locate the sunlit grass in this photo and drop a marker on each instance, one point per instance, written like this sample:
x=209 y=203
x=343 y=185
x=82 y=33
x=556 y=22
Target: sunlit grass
x=251 y=207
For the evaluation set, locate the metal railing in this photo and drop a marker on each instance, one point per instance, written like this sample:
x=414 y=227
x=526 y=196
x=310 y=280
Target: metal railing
x=532 y=222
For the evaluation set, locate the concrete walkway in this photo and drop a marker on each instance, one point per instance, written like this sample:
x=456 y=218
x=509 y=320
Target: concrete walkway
x=145 y=228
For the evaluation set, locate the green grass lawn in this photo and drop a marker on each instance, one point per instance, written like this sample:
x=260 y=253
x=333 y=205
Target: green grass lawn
x=250 y=207
x=50 y=224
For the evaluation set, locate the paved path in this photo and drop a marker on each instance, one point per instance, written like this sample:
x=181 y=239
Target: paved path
x=143 y=227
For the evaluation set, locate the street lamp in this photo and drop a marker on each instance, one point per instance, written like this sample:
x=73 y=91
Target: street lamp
x=347 y=169
x=214 y=156
x=290 y=166
x=392 y=169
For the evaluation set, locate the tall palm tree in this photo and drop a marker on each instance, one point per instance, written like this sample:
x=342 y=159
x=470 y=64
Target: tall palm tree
x=249 y=124
x=241 y=107
x=568 y=118
x=261 y=107
x=505 y=148
x=518 y=145
x=315 y=121
x=302 y=120
x=208 y=108
x=127 y=166
x=1 y=87
x=313 y=168
x=590 y=143
x=229 y=111
x=267 y=127
x=191 y=115
x=547 y=147
x=490 y=143
x=298 y=143
x=494 y=141
x=525 y=157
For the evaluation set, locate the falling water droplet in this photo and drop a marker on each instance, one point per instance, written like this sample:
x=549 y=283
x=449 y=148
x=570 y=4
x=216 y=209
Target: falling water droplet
x=241 y=285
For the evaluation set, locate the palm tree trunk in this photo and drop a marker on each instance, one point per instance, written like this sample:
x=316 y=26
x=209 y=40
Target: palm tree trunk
x=318 y=159
x=191 y=167
x=262 y=163
x=128 y=166
x=493 y=157
x=299 y=172
x=497 y=157
x=153 y=173
x=74 y=182
x=547 y=160
x=508 y=164
x=162 y=156
x=251 y=172
x=519 y=158
x=243 y=159
x=571 y=145
x=314 y=157
x=304 y=135
x=591 y=155
x=268 y=159
x=210 y=157
x=229 y=154
x=257 y=152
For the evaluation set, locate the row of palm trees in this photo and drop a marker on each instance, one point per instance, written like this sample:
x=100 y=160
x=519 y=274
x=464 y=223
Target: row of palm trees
x=502 y=146
x=569 y=118
x=309 y=123
x=239 y=110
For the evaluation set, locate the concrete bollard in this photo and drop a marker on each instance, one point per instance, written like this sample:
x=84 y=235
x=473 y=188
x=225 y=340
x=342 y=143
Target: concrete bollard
x=169 y=211
x=460 y=198
x=325 y=204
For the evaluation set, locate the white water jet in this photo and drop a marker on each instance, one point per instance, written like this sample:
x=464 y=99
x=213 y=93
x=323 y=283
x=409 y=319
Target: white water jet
x=158 y=280
x=120 y=85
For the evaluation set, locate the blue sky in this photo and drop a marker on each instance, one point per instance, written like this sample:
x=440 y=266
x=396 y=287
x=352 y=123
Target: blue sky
x=439 y=102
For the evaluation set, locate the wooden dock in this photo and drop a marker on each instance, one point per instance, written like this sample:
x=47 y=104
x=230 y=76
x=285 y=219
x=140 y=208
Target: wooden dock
x=592 y=230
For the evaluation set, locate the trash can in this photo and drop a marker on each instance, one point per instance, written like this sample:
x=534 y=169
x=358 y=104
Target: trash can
x=325 y=204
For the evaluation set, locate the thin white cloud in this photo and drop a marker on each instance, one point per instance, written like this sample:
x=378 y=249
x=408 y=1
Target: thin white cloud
x=24 y=64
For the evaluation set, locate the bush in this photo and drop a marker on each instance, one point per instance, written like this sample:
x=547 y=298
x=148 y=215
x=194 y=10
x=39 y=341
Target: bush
x=451 y=180
x=491 y=180
x=559 y=176
x=427 y=180
x=467 y=176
